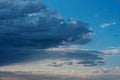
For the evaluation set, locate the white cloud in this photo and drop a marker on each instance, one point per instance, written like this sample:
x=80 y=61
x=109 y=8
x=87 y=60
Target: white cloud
x=103 y=70
x=74 y=21
x=118 y=68
x=111 y=52
x=62 y=48
x=107 y=24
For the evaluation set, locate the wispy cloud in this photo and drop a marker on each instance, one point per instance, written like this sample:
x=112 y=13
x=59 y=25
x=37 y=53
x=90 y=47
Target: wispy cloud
x=74 y=56
x=107 y=24
x=102 y=70
x=111 y=51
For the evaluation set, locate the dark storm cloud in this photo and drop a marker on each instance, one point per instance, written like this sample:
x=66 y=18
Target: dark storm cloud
x=27 y=25
x=10 y=9
x=12 y=56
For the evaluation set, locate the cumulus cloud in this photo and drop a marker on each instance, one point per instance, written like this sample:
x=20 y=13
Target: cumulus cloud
x=27 y=25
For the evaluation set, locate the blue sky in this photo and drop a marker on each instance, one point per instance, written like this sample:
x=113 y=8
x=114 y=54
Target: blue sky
x=38 y=43
x=95 y=13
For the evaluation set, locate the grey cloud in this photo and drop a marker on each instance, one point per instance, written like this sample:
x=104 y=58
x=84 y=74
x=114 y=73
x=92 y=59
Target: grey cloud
x=13 y=9
x=78 y=57
x=55 y=64
x=13 y=56
x=27 y=25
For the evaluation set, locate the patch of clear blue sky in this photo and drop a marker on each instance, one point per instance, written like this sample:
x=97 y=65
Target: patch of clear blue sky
x=95 y=12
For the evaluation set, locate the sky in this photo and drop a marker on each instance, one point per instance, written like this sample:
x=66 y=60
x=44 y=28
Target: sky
x=60 y=35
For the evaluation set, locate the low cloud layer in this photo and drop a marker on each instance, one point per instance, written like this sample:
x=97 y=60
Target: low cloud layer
x=57 y=76
x=27 y=25
x=75 y=57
